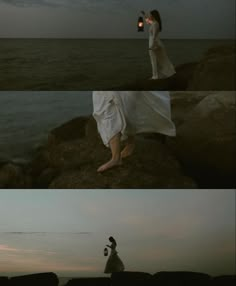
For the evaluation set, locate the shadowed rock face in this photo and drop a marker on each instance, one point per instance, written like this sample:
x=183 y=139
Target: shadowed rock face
x=4 y=281
x=202 y=152
x=216 y=71
x=181 y=279
x=206 y=140
x=89 y=282
x=131 y=278
x=72 y=164
x=43 y=279
x=167 y=278
x=229 y=280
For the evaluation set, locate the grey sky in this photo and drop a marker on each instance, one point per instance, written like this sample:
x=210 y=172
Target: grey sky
x=115 y=18
x=66 y=231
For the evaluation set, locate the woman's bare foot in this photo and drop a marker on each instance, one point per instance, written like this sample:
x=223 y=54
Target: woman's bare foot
x=109 y=165
x=128 y=150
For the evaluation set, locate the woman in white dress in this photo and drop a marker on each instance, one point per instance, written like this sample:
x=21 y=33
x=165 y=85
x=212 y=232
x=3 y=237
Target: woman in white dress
x=161 y=65
x=122 y=114
x=114 y=263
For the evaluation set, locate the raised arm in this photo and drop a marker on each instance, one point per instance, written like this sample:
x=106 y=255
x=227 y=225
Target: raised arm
x=145 y=16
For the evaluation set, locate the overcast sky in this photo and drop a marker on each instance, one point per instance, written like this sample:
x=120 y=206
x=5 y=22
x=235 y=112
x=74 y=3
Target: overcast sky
x=115 y=18
x=66 y=231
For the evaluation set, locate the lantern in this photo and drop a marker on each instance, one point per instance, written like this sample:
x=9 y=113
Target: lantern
x=105 y=251
x=140 y=24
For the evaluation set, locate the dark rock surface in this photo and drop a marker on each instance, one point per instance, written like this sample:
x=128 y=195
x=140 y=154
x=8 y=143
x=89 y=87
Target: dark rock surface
x=164 y=278
x=181 y=279
x=179 y=81
x=131 y=278
x=201 y=155
x=206 y=139
x=89 y=282
x=4 y=281
x=226 y=280
x=72 y=164
x=41 y=279
x=216 y=71
x=12 y=176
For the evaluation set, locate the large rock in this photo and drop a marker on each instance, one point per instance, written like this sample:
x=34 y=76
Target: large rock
x=41 y=279
x=151 y=166
x=131 y=278
x=206 y=140
x=13 y=177
x=89 y=282
x=180 y=279
x=71 y=162
x=216 y=71
x=4 y=281
x=178 y=81
x=226 y=280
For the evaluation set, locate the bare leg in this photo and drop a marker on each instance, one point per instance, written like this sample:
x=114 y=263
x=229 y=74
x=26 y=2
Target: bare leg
x=129 y=147
x=116 y=155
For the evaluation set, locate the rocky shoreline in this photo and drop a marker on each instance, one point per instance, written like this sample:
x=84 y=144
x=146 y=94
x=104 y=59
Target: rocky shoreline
x=215 y=71
x=202 y=155
x=125 y=278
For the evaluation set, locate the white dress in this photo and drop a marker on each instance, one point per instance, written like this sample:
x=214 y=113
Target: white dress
x=114 y=263
x=161 y=64
x=132 y=112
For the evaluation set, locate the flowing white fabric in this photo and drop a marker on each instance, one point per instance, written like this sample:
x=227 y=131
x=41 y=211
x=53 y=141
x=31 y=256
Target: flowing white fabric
x=161 y=64
x=132 y=112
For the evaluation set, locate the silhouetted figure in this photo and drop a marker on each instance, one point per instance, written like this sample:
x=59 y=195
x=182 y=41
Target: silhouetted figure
x=122 y=114
x=161 y=65
x=114 y=263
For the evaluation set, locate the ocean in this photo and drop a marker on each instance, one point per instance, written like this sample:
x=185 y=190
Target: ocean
x=96 y=64
x=26 y=117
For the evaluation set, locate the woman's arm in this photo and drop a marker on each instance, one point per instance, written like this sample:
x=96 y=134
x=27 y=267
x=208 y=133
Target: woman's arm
x=145 y=16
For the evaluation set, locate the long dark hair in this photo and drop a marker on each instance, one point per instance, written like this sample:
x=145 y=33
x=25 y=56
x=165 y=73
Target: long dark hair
x=157 y=17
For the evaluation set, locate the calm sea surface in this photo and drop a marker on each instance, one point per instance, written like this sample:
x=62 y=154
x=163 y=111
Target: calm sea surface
x=26 y=117
x=50 y=64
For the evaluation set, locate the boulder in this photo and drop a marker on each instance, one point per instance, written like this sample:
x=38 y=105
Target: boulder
x=131 y=278
x=151 y=166
x=226 y=280
x=206 y=140
x=180 y=279
x=89 y=282
x=71 y=130
x=13 y=177
x=4 y=281
x=41 y=279
x=216 y=71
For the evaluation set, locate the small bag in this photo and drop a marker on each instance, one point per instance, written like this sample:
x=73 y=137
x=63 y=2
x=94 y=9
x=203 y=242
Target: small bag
x=105 y=251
